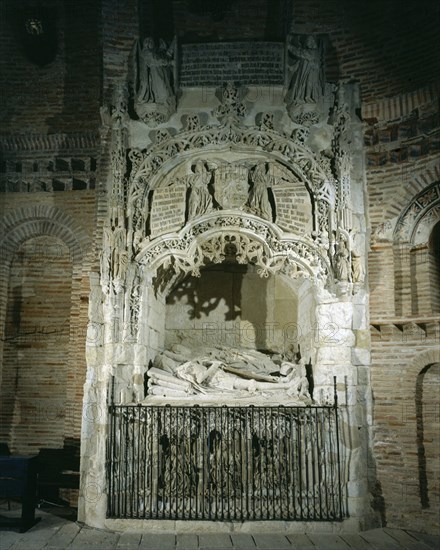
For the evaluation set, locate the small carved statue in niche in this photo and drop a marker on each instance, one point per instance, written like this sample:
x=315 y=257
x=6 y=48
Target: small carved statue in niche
x=153 y=72
x=259 y=203
x=357 y=268
x=114 y=258
x=342 y=263
x=307 y=81
x=200 y=199
x=231 y=108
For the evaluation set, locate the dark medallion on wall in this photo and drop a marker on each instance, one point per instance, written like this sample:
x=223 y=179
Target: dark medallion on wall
x=37 y=33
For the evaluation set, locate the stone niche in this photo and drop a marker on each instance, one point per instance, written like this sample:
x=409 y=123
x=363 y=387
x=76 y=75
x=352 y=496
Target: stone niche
x=231 y=305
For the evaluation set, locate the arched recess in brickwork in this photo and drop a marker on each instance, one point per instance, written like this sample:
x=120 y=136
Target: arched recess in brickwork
x=414 y=378
x=36 y=359
x=427 y=391
x=417 y=271
x=19 y=225
x=419 y=215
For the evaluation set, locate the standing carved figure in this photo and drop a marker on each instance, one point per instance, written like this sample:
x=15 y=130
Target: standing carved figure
x=342 y=262
x=258 y=197
x=200 y=200
x=307 y=81
x=357 y=268
x=153 y=72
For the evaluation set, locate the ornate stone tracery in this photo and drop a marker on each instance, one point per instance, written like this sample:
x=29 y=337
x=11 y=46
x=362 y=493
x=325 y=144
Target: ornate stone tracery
x=418 y=218
x=244 y=238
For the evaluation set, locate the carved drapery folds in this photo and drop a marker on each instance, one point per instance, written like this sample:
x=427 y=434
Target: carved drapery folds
x=306 y=75
x=153 y=80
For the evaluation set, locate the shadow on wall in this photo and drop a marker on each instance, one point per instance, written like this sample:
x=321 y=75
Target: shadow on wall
x=227 y=305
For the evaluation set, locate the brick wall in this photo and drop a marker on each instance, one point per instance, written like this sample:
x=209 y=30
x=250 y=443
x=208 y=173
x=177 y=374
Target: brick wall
x=390 y=47
x=249 y=63
x=399 y=354
x=47 y=252
x=35 y=362
x=63 y=95
x=404 y=312
x=241 y=20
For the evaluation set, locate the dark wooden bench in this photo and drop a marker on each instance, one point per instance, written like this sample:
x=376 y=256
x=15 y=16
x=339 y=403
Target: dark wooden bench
x=18 y=479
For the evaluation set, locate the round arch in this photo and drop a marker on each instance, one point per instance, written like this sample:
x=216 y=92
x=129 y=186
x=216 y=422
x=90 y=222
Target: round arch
x=417 y=220
x=22 y=224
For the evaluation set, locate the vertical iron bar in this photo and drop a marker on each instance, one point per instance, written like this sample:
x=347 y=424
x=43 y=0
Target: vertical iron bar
x=120 y=458
x=177 y=465
x=184 y=430
x=151 y=453
x=332 y=480
x=319 y=457
x=290 y=468
x=300 y=476
x=220 y=468
x=275 y=463
x=246 y=470
x=229 y=458
x=261 y=462
x=338 y=458
x=280 y=429
x=313 y=458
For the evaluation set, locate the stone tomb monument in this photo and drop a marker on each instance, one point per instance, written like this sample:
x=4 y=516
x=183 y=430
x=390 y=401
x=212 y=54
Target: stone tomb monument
x=232 y=273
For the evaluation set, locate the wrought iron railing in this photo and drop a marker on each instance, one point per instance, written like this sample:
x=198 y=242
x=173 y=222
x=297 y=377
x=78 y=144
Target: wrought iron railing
x=224 y=463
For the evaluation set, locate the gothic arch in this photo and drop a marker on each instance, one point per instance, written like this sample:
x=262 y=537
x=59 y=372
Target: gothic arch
x=253 y=241
x=147 y=167
x=412 y=379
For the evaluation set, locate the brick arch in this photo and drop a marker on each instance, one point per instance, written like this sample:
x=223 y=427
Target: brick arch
x=419 y=362
x=25 y=223
x=422 y=210
x=416 y=184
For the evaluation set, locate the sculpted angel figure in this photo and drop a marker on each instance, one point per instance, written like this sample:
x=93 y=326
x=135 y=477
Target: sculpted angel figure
x=258 y=196
x=307 y=81
x=200 y=199
x=153 y=71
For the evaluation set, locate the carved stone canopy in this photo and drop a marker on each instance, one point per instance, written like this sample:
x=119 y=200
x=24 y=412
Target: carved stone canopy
x=243 y=237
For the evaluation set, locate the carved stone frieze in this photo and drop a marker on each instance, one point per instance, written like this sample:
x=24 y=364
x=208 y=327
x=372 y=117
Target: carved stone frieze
x=424 y=209
x=242 y=238
x=146 y=166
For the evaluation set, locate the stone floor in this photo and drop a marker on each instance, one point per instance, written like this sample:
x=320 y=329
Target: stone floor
x=56 y=532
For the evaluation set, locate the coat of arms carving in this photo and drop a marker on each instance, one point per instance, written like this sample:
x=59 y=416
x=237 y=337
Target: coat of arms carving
x=231 y=185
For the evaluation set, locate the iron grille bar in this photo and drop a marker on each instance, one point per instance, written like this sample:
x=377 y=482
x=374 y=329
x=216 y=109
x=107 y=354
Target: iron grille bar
x=224 y=463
